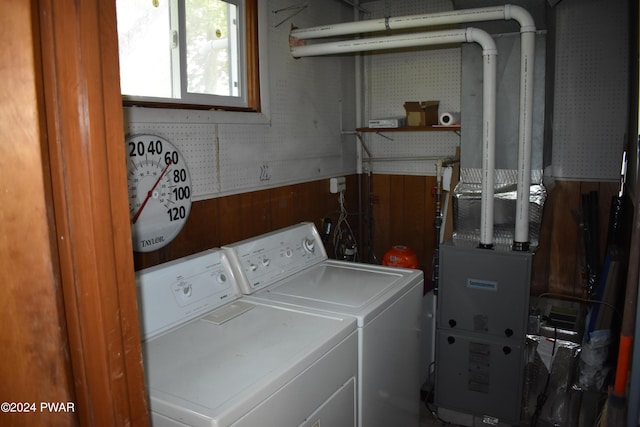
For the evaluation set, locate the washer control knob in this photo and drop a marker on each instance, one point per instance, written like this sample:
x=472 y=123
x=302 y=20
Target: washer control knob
x=187 y=291
x=253 y=267
x=309 y=245
x=266 y=262
x=221 y=278
x=288 y=253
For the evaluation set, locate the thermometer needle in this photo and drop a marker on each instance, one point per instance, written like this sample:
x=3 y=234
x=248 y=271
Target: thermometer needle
x=146 y=199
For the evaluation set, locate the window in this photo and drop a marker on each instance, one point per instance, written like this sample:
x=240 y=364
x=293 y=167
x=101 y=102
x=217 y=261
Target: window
x=200 y=53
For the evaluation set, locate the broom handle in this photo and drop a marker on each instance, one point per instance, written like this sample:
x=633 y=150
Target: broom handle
x=629 y=314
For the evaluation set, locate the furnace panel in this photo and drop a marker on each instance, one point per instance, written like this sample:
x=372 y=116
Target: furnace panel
x=484 y=291
x=479 y=376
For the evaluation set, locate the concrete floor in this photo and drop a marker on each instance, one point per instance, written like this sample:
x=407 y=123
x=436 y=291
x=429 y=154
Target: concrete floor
x=427 y=419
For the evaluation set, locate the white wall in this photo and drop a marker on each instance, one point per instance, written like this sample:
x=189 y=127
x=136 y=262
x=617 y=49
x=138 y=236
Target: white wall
x=309 y=102
x=424 y=74
x=298 y=139
x=590 y=103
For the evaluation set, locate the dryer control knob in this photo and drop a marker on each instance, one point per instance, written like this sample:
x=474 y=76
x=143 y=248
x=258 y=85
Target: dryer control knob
x=253 y=267
x=309 y=245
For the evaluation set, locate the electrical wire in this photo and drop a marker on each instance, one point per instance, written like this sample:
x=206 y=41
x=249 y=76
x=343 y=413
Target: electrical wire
x=344 y=240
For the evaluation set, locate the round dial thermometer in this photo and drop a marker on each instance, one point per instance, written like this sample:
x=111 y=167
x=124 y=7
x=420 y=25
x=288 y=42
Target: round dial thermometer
x=159 y=191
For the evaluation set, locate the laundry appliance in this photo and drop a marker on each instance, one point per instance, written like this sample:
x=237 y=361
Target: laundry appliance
x=290 y=268
x=212 y=358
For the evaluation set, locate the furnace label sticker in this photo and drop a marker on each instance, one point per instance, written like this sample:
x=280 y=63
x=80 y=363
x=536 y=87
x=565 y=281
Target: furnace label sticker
x=486 y=285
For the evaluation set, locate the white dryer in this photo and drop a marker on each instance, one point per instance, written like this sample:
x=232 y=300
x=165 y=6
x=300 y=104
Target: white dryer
x=213 y=359
x=290 y=268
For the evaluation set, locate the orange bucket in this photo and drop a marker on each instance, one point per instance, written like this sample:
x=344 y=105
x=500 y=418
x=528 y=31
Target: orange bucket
x=400 y=256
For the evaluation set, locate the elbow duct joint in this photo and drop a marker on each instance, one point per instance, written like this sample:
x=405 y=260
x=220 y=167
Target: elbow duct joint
x=483 y=38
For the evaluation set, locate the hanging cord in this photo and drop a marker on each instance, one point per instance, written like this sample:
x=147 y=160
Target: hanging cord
x=371 y=222
x=344 y=241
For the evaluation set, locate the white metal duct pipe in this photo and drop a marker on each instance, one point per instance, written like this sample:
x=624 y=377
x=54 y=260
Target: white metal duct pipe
x=527 y=53
x=380 y=43
x=527 y=49
x=359 y=67
x=489 y=53
x=402 y=22
x=488 y=135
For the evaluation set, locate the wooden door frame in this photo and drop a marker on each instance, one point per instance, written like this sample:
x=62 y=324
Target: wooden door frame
x=84 y=140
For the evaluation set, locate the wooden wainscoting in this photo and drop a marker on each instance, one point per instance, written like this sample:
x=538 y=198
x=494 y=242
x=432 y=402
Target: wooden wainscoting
x=403 y=209
x=219 y=221
x=559 y=262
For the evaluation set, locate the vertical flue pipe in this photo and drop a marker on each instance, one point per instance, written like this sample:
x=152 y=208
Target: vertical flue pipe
x=527 y=53
x=489 y=54
x=488 y=135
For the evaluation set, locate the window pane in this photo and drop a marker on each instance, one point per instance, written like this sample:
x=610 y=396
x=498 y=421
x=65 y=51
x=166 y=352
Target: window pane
x=144 y=43
x=212 y=47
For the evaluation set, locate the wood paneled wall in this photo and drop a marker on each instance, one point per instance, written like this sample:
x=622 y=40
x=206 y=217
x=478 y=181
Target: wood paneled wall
x=216 y=222
x=404 y=208
x=559 y=263
x=404 y=213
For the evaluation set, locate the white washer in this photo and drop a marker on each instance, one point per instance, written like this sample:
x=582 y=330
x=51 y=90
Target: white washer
x=290 y=268
x=213 y=359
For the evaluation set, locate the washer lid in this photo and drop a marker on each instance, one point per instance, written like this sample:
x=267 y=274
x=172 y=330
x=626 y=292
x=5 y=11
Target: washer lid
x=349 y=287
x=359 y=290
x=211 y=374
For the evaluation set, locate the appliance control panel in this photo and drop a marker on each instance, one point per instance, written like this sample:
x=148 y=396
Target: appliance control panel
x=263 y=260
x=175 y=292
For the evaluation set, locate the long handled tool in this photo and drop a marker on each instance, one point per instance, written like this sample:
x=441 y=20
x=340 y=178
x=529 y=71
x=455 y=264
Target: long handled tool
x=616 y=402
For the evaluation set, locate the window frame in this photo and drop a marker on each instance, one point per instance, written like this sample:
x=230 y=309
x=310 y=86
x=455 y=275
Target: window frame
x=250 y=70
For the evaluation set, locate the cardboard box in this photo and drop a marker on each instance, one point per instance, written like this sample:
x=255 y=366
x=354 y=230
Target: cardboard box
x=430 y=112
x=423 y=113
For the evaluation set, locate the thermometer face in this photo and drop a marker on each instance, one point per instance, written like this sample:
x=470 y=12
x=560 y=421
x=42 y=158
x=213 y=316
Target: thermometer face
x=159 y=191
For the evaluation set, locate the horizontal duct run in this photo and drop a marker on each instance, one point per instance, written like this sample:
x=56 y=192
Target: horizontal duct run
x=509 y=12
